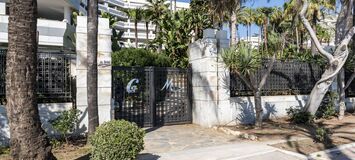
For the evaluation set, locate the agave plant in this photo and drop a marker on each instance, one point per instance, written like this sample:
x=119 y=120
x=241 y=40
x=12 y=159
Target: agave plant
x=244 y=61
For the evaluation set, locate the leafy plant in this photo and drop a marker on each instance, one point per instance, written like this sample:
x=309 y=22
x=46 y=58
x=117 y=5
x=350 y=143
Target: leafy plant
x=116 y=139
x=298 y=116
x=322 y=135
x=327 y=108
x=139 y=57
x=55 y=143
x=65 y=122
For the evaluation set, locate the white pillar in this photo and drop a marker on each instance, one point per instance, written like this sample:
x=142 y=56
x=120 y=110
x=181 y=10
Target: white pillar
x=104 y=71
x=2 y=8
x=67 y=14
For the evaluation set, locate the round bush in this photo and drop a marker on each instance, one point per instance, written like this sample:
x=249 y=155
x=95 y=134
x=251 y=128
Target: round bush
x=117 y=139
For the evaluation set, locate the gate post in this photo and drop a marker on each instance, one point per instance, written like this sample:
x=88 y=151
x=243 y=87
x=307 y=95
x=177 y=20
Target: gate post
x=104 y=72
x=152 y=106
x=210 y=79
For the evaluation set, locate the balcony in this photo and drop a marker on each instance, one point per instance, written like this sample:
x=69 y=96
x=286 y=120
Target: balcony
x=131 y=35
x=140 y=26
x=51 y=33
x=113 y=11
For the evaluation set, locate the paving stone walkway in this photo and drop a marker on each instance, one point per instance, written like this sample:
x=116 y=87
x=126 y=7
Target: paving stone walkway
x=183 y=137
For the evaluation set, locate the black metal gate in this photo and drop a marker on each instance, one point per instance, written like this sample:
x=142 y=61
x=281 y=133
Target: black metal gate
x=152 y=96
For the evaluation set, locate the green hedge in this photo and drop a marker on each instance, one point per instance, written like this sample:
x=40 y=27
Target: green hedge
x=128 y=57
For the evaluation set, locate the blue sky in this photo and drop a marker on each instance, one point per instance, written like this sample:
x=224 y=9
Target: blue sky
x=256 y=4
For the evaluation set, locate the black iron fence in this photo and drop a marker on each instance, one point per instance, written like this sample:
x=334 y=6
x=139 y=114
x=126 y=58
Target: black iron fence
x=287 y=78
x=54 y=81
x=350 y=91
x=151 y=96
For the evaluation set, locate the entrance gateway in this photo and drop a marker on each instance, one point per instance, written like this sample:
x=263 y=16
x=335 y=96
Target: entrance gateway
x=152 y=96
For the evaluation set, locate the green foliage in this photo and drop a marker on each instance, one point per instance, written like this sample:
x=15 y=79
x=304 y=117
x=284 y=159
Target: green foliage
x=117 y=139
x=65 y=122
x=298 y=116
x=55 y=143
x=242 y=58
x=139 y=57
x=322 y=135
x=4 y=150
x=327 y=108
x=176 y=36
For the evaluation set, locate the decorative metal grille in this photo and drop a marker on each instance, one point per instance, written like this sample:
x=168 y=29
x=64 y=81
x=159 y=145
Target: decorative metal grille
x=350 y=92
x=287 y=78
x=152 y=96
x=53 y=75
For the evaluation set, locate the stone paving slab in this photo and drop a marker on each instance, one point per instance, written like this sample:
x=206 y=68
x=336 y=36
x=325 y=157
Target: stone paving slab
x=237 y=151
x=183 y=137
x=343 y=152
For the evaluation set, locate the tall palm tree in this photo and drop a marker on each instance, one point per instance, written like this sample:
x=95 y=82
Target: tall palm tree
x=136 y=15
x=267 y=11
x=147 y=17
x=92 y=30
x=28 y=139
x=259 y=20
x=158 y=8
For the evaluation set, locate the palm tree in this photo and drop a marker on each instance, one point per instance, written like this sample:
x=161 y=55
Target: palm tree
x=158 y=8
x=147 y=17
x=259 y=20
x=136 y=15
x=92 y=30
x=267 y=11
x=28 y=139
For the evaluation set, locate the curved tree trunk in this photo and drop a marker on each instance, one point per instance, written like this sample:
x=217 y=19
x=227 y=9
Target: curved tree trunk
x=314 y=27
x=258 y=108
x=335 y=61
x=344 y=23
x=92 y=29
x=28 y=139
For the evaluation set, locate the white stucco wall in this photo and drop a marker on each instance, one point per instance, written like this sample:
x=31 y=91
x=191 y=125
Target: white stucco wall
x=47 y=112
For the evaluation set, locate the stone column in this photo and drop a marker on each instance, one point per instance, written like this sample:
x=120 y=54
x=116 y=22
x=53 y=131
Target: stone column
x=104 y=71
x=67 y=14
x=2 y=8
x=210 y=80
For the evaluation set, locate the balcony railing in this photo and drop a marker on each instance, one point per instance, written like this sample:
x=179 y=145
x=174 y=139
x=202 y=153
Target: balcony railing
x=140 y=26
x=112 y=11
x=140 y=35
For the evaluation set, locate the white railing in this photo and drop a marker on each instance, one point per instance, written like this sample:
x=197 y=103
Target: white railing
x=140 y=26
x=140 y=35
x=112 y=11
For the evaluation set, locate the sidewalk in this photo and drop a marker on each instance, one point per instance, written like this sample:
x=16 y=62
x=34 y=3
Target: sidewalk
x=237 y=151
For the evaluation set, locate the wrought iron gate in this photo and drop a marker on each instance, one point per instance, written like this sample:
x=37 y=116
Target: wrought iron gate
x=152 y=96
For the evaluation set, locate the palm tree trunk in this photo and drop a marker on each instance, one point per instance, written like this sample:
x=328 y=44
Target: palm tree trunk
x=233 y=28
x=297 y=41
x=157 y=35
x=136 y=32
x=147 y=32
x=92 y=29
x=28 y=139
x=265 y=32
x=174 y=5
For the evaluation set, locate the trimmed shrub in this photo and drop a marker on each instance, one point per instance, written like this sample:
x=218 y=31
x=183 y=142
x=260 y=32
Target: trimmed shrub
x=298 y=116
x=128 y=57
x=117 y=139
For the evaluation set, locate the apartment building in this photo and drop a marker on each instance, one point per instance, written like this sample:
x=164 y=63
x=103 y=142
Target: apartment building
x=126 y=27
x=55 y=26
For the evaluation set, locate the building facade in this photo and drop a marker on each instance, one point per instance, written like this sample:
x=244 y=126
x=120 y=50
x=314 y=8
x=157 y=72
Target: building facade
x=125 y=26
x=54 y=25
